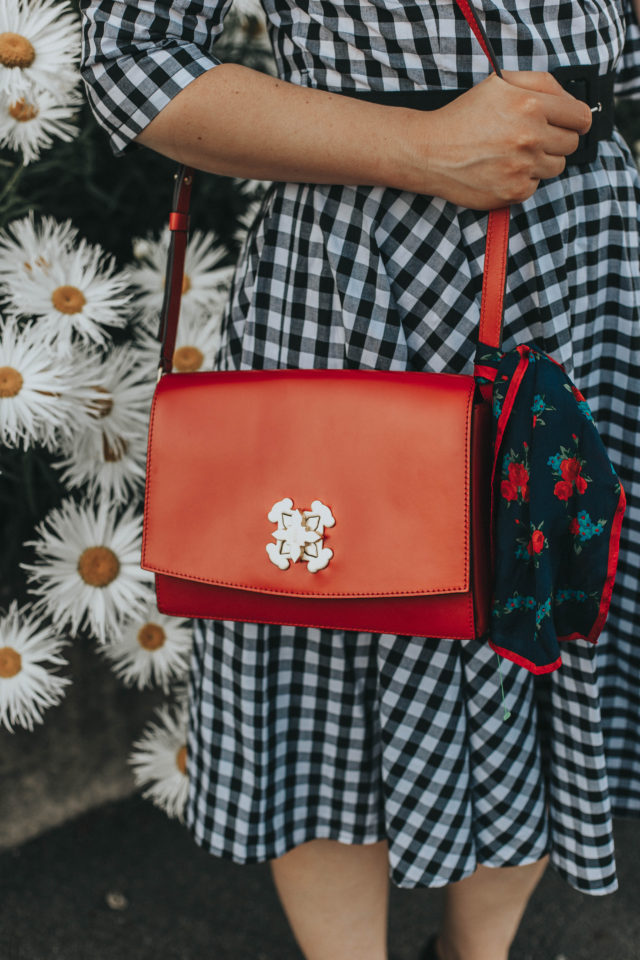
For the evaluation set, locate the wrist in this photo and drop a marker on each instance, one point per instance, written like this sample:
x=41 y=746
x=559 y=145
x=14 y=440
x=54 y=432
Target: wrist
x=414 y=163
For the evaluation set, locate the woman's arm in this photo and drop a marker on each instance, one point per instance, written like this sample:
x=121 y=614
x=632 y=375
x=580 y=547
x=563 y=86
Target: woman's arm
x=490 y=147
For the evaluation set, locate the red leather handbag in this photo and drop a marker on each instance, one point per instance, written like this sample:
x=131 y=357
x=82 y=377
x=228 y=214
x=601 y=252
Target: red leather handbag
x=347 y=499
x=344 y=499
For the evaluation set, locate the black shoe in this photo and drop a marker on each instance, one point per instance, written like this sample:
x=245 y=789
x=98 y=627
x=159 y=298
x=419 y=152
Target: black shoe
x=429 y=950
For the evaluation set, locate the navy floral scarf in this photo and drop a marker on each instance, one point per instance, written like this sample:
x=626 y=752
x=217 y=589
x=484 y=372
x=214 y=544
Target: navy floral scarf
x=557 y=511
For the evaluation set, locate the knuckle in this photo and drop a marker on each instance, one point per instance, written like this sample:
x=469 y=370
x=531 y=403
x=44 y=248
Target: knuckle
x=529 y=105
x=517 y=171
x=526 y=140
x=551 y=82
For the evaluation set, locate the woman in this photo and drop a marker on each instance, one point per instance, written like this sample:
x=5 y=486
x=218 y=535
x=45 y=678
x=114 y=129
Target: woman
x=347 y=758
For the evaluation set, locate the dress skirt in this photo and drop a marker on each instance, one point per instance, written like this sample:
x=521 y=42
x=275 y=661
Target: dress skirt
x=299 y=733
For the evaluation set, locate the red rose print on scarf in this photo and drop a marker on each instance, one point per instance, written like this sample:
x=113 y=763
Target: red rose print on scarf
x=515 y=471
x=566 y=467
x=563 y=489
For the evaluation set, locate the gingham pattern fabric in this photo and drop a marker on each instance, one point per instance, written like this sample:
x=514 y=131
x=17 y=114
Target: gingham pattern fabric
x=296 y=734
x=628 y=73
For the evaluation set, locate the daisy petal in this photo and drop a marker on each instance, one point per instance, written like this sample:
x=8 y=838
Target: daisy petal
x=28 y=685
x=159 y=761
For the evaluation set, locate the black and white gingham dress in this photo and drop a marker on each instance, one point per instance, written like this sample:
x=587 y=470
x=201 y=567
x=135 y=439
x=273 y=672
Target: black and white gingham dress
x=298 y=733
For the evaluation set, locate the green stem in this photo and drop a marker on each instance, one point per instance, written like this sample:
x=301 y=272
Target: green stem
x=11 y=181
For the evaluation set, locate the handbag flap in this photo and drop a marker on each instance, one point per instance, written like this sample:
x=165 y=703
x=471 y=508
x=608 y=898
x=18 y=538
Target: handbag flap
x=365 y=475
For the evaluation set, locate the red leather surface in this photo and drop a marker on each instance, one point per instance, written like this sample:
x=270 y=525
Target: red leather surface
x=439 y=616
x=494 y=278
x=481 y=560
x=387 y=452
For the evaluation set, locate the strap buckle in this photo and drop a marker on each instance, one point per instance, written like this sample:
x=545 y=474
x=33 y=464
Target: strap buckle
x=596 y=90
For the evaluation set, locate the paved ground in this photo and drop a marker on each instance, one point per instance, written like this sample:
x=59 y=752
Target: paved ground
x=126 y=883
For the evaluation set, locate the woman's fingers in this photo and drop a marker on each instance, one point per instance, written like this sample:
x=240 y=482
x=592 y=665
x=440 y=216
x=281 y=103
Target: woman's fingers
x=559 y=107
x=535 y=80
x=549 y=166
x=561 y=142
x=571 y=114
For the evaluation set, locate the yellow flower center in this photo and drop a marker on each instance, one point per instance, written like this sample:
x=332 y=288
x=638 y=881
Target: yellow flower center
x=98 y=566
x=253 y=27
x=10 y=382
x=151 y=636
x=21 y=111
x=103 y=407
x=16 y=50
x=186 y=359
x=10 y=662
x=113 y=454
x=186 y=282
x=68 y=299
x=181 y=760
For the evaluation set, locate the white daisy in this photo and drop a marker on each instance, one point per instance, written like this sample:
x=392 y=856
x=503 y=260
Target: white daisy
x=250 y=26
x=159 y=761
x=88 y=571
x=39 y=46
x=109 y=454
x=26 y=244
x=252 y=188
x=205 y=285
x=115 y=473
x=29 y=125
x=153 y=650
x=77 y=292
x=41 y=400
x=122 y=404
x=179 y=693
x=196 y=344
x=249 y=8
x=245 y=220
x=27 y=686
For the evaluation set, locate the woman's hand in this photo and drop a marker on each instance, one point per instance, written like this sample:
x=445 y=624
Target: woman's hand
x=493 y=145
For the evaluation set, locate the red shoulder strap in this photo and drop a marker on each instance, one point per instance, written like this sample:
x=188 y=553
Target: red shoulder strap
x=495 y=258
x=470 y=16
x=179 y=227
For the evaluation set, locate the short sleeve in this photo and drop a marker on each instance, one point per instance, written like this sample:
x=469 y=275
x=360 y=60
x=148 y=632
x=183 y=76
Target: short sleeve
x=628 y=75
x=136 y=56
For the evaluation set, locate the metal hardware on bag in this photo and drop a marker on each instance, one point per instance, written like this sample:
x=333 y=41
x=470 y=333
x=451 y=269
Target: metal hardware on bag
x=178 y=221
x=300 y=535
x=597 y=108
